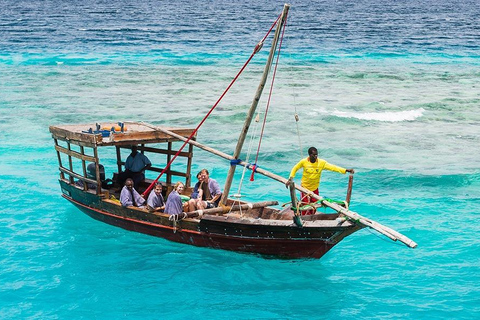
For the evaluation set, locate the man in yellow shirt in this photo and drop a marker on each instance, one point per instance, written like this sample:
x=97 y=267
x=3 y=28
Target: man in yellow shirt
x=312 y=172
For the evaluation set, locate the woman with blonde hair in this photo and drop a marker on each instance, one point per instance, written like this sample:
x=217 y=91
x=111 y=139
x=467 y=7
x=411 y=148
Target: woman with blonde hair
x=174 y=201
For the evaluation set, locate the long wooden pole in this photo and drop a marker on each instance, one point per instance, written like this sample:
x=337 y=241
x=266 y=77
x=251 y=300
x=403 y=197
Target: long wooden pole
x=296 y=214
x=226 y=209
x=253 y=107
x=349 y=189
x=388 y=232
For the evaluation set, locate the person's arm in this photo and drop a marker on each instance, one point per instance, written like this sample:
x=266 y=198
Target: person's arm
x=125 y=198
x=216 y=197
x=217 y=193
x=138 y=198
x=293 y=172
x=150 y=200
x=162 y=203
x=147 y=163
x=195 y=191
x=178 y=204
x=332 y=167
x=128 y=163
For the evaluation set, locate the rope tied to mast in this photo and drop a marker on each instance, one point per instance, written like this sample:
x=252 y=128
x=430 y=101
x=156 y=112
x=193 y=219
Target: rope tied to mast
x=269 y=98
x=235 y=162
x=256 y=50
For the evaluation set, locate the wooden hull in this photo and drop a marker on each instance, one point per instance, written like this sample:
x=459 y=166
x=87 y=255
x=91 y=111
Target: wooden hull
x=284 y=240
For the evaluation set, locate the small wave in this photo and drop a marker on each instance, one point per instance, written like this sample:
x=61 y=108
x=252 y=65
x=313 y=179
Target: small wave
x=408 y=115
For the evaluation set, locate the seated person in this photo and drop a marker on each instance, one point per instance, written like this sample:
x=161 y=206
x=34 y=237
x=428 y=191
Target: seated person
x=174 y=201
x=194 y=194
x=135 y=166
x=92 y=174
x=207 y=192
x=129 y=196
x=155 y=200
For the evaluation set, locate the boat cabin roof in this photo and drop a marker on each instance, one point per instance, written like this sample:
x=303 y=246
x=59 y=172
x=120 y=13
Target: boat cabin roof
x=111 y=134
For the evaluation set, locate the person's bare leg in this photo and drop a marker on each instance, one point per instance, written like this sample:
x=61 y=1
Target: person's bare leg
x=201 y=204
x=191 y=205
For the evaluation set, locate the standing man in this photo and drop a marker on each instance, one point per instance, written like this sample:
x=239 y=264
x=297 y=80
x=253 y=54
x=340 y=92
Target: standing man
x=135 y=166
x=312 y=172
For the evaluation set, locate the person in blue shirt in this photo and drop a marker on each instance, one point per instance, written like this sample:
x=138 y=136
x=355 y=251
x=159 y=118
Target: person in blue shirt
x=135 y=166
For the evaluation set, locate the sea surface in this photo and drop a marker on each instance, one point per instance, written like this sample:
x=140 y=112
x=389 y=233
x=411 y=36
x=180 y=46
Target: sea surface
x=390 y=88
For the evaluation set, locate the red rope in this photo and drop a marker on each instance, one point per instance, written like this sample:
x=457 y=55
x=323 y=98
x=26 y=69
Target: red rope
x=269 y=98
x=257 y=49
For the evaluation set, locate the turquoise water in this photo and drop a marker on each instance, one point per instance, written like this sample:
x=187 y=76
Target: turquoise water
x=390 y=89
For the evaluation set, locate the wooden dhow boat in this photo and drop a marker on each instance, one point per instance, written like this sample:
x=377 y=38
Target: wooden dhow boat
x=235 y=225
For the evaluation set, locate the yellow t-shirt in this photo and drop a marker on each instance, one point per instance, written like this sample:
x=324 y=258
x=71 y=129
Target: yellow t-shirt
x=313 y=171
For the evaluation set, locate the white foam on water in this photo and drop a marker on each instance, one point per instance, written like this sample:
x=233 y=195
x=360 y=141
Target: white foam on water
x=392 y=116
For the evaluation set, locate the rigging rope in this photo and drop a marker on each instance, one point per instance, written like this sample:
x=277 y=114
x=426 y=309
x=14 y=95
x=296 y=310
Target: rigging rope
x=294 y=95
x=250 y=145
x=238 y=195
x=269 y=98
x=298 y=133
x=257 y=48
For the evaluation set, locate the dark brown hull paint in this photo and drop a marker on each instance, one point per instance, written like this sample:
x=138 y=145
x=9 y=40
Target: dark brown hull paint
x=214 y=232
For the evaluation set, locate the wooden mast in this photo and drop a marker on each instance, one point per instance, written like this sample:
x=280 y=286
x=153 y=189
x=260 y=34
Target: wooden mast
x=251 y=112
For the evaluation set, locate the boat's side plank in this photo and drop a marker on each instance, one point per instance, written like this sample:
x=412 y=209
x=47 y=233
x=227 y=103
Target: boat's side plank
x=288 y=248
x=267 y=229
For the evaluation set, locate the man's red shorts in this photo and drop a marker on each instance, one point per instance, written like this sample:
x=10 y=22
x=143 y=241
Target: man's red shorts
x=305 y=199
